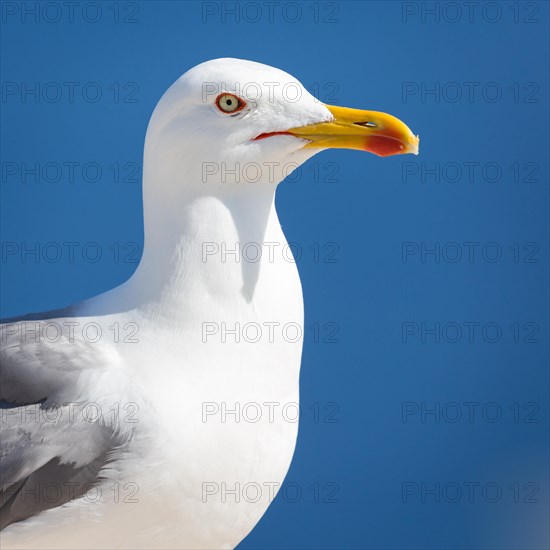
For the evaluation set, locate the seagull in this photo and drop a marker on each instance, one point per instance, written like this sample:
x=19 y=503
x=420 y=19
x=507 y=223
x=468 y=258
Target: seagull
x=163 y=413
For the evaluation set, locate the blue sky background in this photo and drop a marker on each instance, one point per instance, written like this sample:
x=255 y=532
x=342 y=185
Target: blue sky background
x=366 y=478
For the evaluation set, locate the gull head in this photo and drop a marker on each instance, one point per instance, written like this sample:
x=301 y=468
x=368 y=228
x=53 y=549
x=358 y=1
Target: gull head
x=233 y=122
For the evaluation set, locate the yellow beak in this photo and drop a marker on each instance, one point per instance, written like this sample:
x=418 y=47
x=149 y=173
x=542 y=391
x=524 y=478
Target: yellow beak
x=372 y=131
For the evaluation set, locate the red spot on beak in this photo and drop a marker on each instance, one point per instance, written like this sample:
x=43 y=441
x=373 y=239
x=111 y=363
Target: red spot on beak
x=384 y=146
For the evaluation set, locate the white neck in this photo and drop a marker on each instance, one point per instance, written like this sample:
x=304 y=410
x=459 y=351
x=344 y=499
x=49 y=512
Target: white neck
x=195 y=234
x=194 y=247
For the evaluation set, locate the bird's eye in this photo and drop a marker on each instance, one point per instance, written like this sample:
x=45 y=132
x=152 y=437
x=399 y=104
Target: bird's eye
x=229 y=103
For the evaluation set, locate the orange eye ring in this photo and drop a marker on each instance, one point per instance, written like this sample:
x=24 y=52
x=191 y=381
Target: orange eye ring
x=229 y=104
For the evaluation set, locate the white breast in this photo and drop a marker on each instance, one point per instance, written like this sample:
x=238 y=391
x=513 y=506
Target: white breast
x=211 y=447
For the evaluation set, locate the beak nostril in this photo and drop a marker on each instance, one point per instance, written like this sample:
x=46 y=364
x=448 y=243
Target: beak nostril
x=367 y=124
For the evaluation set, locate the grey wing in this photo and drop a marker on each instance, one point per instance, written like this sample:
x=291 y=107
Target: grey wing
x=46 y=463
x=25 y=377
x=50 y=453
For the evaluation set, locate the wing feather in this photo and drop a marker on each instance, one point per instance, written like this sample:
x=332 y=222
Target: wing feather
x=50 y=452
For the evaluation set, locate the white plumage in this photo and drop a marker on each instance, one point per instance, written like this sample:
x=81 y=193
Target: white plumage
x=157 y=465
